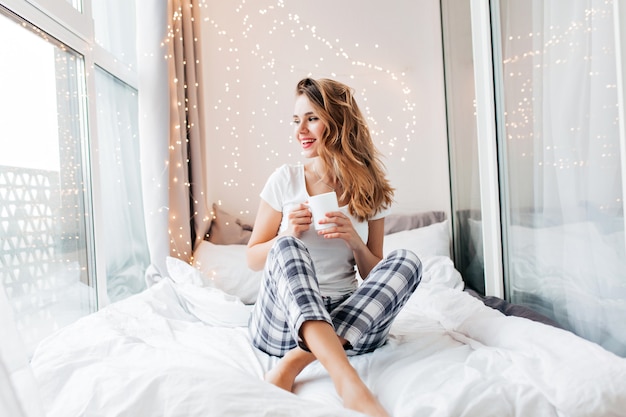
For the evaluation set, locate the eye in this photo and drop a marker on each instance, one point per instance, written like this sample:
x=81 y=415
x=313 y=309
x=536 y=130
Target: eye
x=313 y=119
x=296 y=121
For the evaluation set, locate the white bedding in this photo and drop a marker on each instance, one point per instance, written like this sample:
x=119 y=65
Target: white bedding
x=182 y=350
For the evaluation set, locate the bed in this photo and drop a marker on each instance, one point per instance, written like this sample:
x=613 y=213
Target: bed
x=180 y=348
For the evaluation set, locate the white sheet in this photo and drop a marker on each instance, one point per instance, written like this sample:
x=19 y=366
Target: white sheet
x=181 y=350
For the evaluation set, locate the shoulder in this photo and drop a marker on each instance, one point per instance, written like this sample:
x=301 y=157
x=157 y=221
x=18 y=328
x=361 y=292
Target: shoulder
x=284 y=185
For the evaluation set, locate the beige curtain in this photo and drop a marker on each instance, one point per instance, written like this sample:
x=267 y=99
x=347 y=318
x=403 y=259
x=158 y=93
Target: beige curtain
x=189 y=216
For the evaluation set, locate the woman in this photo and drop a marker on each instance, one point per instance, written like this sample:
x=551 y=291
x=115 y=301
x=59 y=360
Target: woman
x=309 y=306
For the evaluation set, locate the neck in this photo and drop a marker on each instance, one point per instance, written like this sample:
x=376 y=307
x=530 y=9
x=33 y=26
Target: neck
x=322 y=177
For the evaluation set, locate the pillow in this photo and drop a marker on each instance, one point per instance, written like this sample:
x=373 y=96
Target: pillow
x=397 y=222
x=226 y=229
x=433 y=240
x=225 y=267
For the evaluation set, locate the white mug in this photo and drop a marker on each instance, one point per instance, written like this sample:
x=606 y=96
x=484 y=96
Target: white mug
x=320 y=205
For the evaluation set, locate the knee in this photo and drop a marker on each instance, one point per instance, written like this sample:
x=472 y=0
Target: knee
x=405 y=256
x=409 y=263
x=288 y=252
x=288 y=242
x=287 y=245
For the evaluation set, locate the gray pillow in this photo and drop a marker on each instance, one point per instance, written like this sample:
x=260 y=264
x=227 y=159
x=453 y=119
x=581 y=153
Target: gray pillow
x=397 y=222
x=226 y=229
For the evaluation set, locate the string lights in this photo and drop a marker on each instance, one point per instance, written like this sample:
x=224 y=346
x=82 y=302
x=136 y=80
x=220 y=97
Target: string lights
x=561 y=112
x=259 y=52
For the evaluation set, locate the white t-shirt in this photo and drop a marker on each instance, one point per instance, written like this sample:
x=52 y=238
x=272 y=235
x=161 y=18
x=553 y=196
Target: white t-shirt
x=333 y=259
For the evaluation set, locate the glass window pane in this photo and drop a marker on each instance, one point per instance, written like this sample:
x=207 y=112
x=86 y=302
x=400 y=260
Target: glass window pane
x=565 y=253
x=114 y=26
x=43 y=219
x=463 y=142
x=125 y=249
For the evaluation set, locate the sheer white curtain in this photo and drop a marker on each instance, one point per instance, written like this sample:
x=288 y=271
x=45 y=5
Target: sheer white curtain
x=125 y=247
x=113 y=24
x=154 y=127
x=565 y=253
x=170 y=126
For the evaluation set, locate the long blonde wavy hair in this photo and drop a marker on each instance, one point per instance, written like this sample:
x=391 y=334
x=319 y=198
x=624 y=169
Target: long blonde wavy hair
x=347 y=150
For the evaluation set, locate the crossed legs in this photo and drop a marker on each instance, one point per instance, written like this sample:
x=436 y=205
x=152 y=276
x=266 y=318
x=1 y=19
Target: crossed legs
x=290 y=319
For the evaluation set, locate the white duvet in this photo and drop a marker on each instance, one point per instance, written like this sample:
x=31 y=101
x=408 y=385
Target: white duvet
x=183 y=350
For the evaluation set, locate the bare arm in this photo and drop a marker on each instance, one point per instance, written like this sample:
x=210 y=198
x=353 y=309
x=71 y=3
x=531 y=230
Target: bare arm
x=265 y=231
x=369 y=255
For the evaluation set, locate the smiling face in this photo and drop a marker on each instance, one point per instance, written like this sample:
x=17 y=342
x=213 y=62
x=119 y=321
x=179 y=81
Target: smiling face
x=308 y=127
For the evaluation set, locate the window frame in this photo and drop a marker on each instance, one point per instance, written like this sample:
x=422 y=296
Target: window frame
x=487 y=147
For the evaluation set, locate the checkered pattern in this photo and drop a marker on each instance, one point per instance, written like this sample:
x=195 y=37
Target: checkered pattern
x=290 y=295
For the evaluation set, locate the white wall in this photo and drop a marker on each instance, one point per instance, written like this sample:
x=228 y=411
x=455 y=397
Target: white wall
x=255 y=52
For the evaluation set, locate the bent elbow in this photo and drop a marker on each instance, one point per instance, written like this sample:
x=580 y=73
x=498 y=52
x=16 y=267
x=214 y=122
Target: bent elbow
x=252 y=259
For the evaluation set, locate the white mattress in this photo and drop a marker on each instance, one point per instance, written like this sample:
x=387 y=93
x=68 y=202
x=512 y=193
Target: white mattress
x=183 y=350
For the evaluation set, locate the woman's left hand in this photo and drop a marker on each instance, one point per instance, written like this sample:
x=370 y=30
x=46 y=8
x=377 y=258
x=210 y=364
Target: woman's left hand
x=342 y=229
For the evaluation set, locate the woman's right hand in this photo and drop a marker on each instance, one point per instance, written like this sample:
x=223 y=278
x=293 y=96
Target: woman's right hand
x=300 y=220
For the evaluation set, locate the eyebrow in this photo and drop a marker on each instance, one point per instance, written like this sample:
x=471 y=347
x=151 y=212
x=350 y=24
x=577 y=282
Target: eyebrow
x=309 y=113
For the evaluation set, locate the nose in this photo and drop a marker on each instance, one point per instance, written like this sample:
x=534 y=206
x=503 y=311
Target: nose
x=301 y=127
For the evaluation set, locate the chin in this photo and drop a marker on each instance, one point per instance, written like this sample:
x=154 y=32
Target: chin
x=308 y=153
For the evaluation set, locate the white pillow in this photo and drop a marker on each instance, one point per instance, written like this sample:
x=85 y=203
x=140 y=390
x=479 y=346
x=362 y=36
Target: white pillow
x=225 y=267
x=433 y=240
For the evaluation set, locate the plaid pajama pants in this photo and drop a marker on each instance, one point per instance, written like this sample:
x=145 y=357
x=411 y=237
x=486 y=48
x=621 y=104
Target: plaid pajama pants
x=290 y=295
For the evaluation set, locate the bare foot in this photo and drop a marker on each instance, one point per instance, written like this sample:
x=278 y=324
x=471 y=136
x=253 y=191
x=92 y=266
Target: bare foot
x=356 y=396
x=284 y=373
x=281 y=377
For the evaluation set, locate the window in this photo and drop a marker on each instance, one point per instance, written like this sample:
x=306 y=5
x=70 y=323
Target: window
x=59 y=130
x=562 y=182
x=124 y=239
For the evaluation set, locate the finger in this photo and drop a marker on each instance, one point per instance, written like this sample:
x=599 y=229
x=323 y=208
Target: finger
x=298 y=207
x=339 y=221
x=327 y=220
x=336 y=214
x=302 y=221
x=329 y=230
x=302 y=217
x=300 y=213
x=330 y=234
